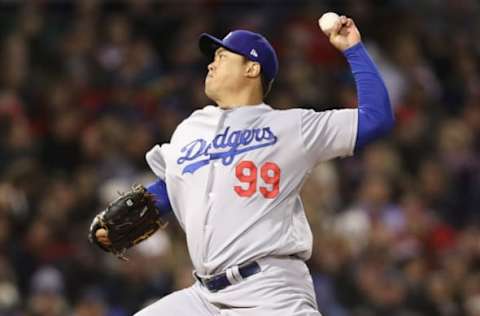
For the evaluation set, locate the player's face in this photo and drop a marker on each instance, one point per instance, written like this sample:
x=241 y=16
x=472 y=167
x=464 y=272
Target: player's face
x=226 y=74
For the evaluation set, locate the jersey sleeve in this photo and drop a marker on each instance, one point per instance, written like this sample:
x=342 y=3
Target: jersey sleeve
x=329 y=134
x=156 y=161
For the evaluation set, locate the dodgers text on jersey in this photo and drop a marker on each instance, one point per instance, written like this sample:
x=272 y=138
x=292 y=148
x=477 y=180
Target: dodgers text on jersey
x=225 y=146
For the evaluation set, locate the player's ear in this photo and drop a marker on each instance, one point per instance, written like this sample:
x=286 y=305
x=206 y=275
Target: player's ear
x=253 y=69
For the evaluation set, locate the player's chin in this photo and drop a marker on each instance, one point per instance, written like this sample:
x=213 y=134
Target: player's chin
x=209 y=91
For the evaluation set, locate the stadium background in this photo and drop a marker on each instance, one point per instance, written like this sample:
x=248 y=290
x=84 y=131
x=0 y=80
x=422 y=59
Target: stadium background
x=88 y=87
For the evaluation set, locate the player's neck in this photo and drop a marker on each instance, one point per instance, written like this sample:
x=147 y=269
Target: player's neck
x=239 y=100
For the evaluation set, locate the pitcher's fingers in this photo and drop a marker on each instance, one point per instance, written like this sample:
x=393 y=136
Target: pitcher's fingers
x=101 y=232
x=105 y=242
x=336 y=28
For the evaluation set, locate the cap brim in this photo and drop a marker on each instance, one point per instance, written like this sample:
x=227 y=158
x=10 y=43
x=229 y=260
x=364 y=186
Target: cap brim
x=208 y=44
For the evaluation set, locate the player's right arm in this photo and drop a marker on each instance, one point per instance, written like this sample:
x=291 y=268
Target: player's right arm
x=375 y=115
x=338 y=133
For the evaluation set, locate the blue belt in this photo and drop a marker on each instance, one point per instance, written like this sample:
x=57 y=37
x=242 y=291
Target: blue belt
x=220 y=281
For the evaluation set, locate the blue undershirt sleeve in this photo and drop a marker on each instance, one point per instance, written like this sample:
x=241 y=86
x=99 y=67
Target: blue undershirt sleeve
x=375 y=115
x=159 y=191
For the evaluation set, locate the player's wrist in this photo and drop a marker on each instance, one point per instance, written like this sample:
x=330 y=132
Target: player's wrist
x=353 y=48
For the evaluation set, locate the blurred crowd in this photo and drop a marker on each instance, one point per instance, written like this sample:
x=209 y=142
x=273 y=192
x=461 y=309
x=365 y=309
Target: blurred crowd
x=87 y=87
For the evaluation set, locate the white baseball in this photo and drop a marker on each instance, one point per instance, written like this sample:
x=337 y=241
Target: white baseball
x=327 y=21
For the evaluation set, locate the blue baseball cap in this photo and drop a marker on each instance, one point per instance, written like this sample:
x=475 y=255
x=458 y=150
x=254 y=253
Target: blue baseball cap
x=252 y=46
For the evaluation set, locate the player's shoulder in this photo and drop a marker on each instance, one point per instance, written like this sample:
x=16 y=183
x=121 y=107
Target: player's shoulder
x=200 y=114
x=298 y=112
x=286 y=114
x=205 y=113
x=207 y=110
x=295 y=117
x=197 y=117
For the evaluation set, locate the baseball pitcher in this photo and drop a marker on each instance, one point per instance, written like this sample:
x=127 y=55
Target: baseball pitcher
x=232 y=173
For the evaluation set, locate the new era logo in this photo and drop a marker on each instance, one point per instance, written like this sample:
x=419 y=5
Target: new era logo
x=253 y=52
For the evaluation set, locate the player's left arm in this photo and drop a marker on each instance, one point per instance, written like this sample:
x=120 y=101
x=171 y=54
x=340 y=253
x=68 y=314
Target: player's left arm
x=157 y=189
x=156 y=161
x=160 y=195
x=375 y=115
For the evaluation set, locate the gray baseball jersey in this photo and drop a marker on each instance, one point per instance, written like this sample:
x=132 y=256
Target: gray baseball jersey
x=233 y=178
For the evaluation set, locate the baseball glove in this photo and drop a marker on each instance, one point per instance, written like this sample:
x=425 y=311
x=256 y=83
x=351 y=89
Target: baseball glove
x=130 y=219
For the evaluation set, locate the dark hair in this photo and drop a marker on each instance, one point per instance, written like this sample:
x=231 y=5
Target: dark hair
x=266 y=86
